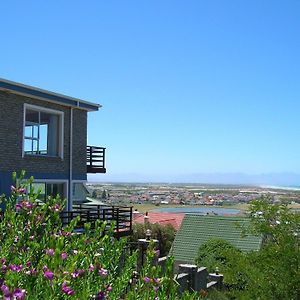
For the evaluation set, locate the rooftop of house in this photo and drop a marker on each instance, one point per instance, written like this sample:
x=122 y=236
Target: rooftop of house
x=195 y=230
x=44 y=95
x=161 y=218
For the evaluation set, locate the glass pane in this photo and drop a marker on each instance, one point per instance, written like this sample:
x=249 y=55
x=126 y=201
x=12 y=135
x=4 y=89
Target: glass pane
x=35 y=131
x=34 y=147
x=28 y=146
x=43 y=139
x=28 y=131
x=54 y=189
x=50 y=136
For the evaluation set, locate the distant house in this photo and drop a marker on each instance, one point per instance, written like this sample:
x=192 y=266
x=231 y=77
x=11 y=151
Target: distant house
x=45 y=134
x=195 y=230
x=160 y=218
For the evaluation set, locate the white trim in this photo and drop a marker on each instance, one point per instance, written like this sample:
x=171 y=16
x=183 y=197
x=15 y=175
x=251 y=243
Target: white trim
x=61 y=126
x=71 y=161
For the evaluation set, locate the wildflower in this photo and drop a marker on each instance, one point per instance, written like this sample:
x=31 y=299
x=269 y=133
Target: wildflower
x=28 y=205
x=103 y=273
x=109 y=289
x=91 y=268
x=19 y=294
x=50 y=252
x=16 y=268
x=100 y=295
x=22 y=190
x=5 y=291
x=157 y=280
x=64 y=255
x=66 y=289
x=75 y=274
x=49 y=275
x=157 y=253
x=147 y=279
x=19 y=206
x=28 y=264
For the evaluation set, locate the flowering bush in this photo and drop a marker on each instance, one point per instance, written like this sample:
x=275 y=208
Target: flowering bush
x=42 y=259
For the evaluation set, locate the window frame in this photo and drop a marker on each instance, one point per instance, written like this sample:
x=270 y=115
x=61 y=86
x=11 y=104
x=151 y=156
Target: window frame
x=40 y=109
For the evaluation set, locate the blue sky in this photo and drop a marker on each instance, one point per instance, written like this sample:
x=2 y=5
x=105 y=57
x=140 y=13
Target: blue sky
x=187 y=87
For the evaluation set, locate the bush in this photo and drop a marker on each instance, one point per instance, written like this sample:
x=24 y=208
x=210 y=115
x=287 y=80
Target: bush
x=42 y=259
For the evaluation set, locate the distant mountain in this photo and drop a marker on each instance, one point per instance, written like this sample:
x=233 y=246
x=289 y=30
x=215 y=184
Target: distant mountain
x=276 y=179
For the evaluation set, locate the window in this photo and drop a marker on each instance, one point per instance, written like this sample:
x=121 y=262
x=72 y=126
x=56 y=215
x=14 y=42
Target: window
x=43 y=131
x=49 y=189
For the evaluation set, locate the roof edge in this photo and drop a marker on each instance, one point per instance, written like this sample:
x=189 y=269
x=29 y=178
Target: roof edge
x=42 y=94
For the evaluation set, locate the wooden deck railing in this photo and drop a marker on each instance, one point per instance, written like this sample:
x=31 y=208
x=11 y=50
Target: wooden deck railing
x=95 y=159
x=121 y=215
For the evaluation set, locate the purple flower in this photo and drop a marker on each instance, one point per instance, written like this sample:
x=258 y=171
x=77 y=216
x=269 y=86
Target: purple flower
x=5 y=291
x=49 y=275
x=64 y=255
x=103 y=273
x=16 y=268
x=28 y=264
x=22 y=190
x=66 y=289
x=75 y=274
x=157 y=253
x=91 y=268
x=2 y=260
x=50 y=252
x=28 y=205
x=19 y=206
x=19 y=294
x=147 y=279
x=100 y=295
x=109 y=289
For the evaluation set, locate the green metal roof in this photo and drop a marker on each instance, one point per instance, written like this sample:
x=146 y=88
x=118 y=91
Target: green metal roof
x=196 y=230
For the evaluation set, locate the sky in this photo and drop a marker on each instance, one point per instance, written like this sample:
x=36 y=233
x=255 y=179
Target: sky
x=190 y=89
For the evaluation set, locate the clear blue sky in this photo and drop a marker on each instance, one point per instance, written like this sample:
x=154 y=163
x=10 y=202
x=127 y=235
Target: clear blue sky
x=186 y=86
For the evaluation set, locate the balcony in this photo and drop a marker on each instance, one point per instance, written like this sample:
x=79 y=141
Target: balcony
x=95 y=159
x=121 y=216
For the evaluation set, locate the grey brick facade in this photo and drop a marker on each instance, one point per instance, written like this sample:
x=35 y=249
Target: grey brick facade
x=11 y=139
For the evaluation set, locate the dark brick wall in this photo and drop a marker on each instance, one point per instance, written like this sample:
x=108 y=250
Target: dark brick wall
x=11 y=138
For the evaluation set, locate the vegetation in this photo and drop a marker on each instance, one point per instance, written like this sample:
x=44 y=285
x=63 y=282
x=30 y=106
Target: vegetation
x=41 y=259
x=165 y=234
x=271 y=273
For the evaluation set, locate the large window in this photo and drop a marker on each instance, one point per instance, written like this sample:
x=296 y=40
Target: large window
x=49 y=189
x=43 y=131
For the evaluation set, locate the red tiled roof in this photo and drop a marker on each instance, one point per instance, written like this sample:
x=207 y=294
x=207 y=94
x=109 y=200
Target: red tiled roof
x=161 y=218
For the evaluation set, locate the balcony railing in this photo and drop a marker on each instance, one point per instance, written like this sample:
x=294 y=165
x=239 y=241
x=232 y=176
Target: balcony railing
x=120 y=215
x=95 y=159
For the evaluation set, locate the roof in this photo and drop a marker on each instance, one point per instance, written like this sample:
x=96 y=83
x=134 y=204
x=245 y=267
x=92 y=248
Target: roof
x=161 y=218
x=44 y=95
x=195 y=230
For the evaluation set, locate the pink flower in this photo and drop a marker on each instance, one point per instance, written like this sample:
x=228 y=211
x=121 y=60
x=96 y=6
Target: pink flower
x=109 y=289
x=28 y=205
x=91 y=268
x=66 y=289
x=147 y=279
x=103 y=273
x=19 y=294
x=64 y=255
x=49 y=275
x=22 y=190
x=100 y=296
x=50 y=252
x=16 y=268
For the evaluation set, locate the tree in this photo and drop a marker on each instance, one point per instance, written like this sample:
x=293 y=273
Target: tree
x=165 y=234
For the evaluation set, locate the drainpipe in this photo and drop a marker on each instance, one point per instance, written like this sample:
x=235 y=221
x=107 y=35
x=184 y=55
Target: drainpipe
x=70 y=196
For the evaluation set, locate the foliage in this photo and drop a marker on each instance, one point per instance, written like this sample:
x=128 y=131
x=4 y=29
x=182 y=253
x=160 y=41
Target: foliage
x=42 y=259
x=165 y=234
x=215 y=253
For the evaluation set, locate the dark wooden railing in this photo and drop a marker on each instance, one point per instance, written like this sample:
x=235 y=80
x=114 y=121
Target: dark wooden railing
x=120 y=215
x=95 y=159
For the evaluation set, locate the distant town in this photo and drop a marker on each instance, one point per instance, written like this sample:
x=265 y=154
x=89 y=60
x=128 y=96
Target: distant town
x=139 y=195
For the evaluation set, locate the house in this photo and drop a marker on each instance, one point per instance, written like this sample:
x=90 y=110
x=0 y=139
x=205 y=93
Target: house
x=195 y=230
x=160 y=218
x=45 y=134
